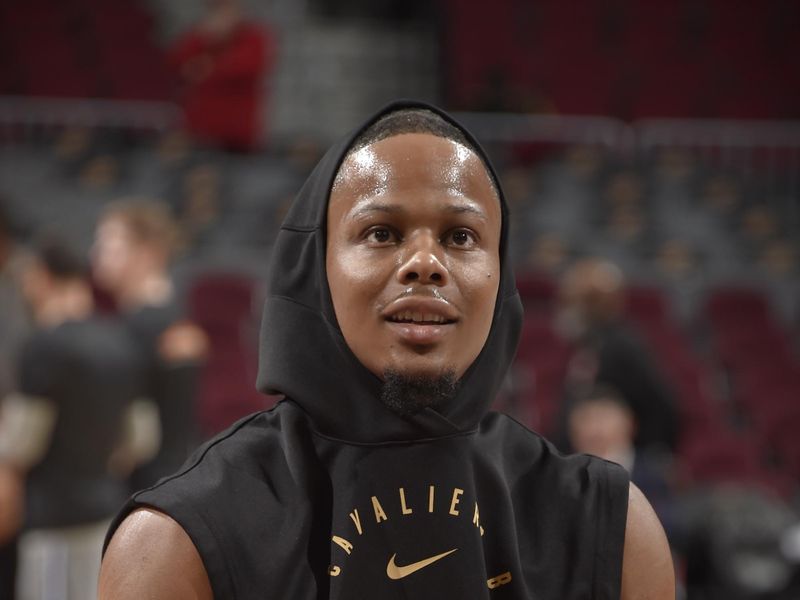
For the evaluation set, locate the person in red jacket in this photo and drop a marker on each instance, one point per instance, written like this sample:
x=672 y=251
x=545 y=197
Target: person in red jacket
x=221 y=64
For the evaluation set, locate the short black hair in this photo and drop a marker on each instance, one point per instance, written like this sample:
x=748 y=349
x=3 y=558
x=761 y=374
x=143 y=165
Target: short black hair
x=417 y=120
x=59 y=258
x=410 y=120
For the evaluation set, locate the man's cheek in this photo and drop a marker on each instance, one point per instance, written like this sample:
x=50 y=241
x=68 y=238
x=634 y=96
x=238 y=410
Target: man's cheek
x=360 y=267
x=479 y=284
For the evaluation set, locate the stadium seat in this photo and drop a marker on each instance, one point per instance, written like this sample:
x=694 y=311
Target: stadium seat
x=720 y=455
x=222 y=305
x=538 y=293
x=731 y=304
x=646 y=304
x=541 y=347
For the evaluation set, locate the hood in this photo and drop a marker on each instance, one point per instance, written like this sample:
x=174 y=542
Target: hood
x=304 y=356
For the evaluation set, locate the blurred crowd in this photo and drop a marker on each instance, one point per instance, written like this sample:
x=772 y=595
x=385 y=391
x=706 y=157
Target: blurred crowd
x=662 y=298
x=99 y=390
x=122 y=352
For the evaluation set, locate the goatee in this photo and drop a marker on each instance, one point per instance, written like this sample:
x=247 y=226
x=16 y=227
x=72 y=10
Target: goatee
x=406 y=394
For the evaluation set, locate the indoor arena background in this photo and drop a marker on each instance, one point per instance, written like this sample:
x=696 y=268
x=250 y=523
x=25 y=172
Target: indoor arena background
x=660 y=136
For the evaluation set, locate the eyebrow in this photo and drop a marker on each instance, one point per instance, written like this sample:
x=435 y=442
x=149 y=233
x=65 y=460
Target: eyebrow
x=371 y=207
x=466 y=208
x=368 y=208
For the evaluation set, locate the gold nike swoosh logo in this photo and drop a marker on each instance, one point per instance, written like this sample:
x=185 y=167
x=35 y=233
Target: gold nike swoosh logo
x=395 y=572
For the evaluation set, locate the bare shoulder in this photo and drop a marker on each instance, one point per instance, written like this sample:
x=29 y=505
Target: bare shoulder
x=647 y=571
x=151 y=556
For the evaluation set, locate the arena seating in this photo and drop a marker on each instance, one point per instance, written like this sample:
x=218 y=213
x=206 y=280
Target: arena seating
x=681 y=228
x=82 y=49
x=729 y=354
x=225 y=306
x=626 y=58
x=706 y=237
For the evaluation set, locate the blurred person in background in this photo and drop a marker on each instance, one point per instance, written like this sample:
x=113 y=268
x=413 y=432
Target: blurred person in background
x=602 y=423
x=78 y=375
x=14 y=328
x=607 y=351
x=133 y=247
x=221 y=64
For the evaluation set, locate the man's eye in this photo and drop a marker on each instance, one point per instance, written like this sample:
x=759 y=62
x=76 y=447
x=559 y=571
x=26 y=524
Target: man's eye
x=380 y=235
x=461 y=238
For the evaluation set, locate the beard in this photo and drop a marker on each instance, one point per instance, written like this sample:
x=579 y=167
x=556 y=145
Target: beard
x=407 y=394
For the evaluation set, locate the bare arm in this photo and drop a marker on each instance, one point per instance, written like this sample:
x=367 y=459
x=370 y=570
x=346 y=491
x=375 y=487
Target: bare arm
x=141 y=437
x=26 y=428
x=647 y=571
x=151 y=556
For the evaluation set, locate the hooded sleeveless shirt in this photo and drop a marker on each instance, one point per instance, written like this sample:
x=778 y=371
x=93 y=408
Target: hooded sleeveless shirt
x=330 y=495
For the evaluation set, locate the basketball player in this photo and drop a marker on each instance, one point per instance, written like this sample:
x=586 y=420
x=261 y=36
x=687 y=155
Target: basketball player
x=79 y=374
x=134 y=244
x=391 y=321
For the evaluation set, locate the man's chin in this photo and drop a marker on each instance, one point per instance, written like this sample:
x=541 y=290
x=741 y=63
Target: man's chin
x=408 y=391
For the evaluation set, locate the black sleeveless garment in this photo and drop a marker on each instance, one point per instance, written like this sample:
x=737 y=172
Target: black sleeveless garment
x=332 y=495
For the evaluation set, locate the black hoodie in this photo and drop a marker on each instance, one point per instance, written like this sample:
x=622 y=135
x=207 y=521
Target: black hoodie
x=332 y=495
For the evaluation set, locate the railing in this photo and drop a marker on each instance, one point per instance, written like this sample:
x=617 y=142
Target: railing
x=21 y=114
x=549 y=129
x=726 y=137
x=717 y=132
x=770 y=147
x=643 y=135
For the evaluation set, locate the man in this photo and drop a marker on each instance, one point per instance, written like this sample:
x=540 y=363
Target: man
x=78 y=375
x=609 y=353
x=601 y=423
x=391 y=321
x=134 y=245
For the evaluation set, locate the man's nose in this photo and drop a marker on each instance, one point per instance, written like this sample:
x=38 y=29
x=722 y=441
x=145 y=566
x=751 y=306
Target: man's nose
x=423 y=262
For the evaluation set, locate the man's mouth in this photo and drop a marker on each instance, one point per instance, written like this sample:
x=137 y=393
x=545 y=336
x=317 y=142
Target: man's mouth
x=420 y=310
x=420 y=318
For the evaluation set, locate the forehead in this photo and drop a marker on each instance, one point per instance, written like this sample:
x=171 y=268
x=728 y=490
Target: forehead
x=112 y=226
x=413 y=164
x=601 y=406
x=114 y=230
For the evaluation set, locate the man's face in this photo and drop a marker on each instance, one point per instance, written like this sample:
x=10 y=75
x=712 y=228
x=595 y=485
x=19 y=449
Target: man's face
x=413 y=255
x=113 y=254
x=601 y=427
